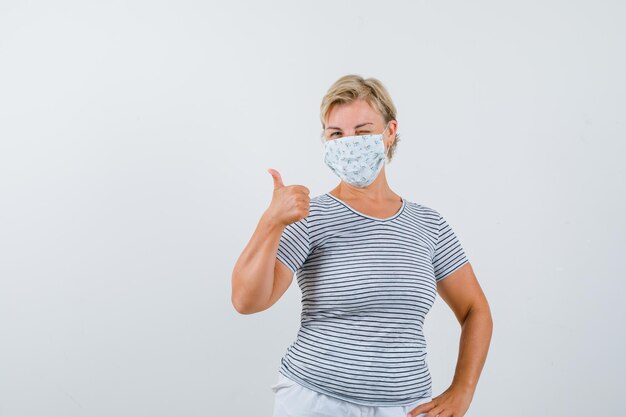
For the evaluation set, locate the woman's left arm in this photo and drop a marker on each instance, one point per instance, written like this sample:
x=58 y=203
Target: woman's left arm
x=462 y=292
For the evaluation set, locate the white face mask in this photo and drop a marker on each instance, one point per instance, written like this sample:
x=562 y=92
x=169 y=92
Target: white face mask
x=357 y=160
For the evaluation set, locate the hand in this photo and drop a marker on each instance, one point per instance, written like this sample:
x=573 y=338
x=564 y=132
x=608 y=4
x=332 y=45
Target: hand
x=289 y=203
x=453 y=402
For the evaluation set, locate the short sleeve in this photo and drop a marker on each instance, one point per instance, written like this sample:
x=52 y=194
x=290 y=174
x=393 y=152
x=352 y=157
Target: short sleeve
x=449 y=254
x=294 y=245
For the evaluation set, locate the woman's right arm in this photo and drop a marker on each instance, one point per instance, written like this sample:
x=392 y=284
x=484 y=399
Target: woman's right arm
x=253 y=275
x=259 y=278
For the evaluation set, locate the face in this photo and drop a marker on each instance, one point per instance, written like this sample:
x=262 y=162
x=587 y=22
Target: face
x=355 y=119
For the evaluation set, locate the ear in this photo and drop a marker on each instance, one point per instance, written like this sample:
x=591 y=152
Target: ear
x=392 y=135
x=393 y=127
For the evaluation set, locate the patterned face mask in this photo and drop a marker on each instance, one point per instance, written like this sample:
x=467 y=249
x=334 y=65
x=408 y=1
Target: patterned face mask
x=357 y=160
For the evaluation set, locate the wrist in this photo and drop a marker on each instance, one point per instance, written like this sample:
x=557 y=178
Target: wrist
x=464 y=386
x=270 y=220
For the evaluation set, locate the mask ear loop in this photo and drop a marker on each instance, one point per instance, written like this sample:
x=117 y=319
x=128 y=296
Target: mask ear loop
x=388 y=147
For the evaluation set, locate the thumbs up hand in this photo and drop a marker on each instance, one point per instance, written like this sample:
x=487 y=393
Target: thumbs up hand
x=290 y=203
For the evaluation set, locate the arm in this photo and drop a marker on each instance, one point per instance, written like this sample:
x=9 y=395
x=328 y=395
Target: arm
x=461 y=291
x=257 y=269
x=259 y=279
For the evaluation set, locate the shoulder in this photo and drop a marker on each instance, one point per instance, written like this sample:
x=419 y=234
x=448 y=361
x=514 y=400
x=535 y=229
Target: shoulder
x=319 y=199
x=320 y=206
x=321 y=202
x=421 y=210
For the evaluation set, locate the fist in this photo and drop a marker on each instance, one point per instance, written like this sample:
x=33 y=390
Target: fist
x=290 y=203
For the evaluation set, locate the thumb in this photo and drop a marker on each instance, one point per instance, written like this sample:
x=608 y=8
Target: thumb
x=278 y=181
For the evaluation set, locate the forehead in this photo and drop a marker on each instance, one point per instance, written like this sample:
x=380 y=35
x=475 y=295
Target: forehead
x=359 y=111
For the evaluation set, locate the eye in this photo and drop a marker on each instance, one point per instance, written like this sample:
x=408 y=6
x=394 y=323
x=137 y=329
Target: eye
x=333 y=134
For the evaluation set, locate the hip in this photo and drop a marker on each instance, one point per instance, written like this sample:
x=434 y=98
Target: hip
x=292 y=399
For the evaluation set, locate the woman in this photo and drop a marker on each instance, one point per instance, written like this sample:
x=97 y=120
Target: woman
x=369 y=264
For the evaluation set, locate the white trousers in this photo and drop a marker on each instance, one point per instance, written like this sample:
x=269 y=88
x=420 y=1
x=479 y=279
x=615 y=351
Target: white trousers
x=294 y=400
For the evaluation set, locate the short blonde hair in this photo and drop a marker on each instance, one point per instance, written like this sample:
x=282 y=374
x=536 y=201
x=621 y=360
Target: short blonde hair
x=352 y=87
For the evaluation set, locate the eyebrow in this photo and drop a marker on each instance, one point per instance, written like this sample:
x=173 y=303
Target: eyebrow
x=356 y=127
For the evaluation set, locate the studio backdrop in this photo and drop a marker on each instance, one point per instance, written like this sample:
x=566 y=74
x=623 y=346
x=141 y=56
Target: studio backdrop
x=135 y=139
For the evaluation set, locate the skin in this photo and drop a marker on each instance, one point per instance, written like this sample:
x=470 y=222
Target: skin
x=463 y=294
x=377 y=199
x=259 y=279
x=460 y=290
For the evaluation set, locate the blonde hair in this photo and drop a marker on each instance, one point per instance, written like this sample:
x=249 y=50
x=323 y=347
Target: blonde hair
x=352 y=87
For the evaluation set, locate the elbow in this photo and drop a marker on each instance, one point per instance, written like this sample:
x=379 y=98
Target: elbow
x=240 y=306
x=241 y=303
x=245 y=307
x=244 y=301
x=236 y=298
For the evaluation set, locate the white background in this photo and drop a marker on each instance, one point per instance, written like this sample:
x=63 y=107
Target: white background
x=135 y=139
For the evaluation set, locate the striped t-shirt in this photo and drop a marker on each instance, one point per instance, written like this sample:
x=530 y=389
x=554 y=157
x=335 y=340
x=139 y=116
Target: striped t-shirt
x=367 y=284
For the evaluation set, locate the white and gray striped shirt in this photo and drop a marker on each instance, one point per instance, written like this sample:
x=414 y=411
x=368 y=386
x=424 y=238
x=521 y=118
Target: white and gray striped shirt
x=367 y=284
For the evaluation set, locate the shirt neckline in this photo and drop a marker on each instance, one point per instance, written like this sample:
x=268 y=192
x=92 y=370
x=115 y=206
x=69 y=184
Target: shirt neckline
x=367 y=216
